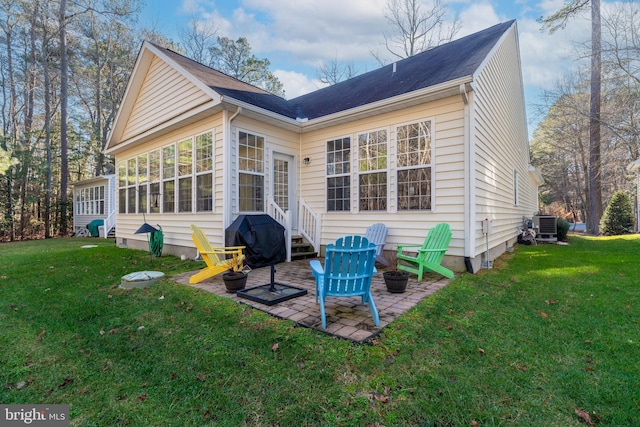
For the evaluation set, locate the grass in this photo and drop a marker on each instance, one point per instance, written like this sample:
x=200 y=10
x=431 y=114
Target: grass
x=549 y=330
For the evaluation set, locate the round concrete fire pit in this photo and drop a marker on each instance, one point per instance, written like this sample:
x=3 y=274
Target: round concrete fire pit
x=141 y=279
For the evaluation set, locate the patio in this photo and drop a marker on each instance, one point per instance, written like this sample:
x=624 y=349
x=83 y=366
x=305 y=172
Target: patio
x=346 y=317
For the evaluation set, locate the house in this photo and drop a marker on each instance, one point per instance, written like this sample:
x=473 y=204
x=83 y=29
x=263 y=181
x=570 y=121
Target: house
x=94 y=199
x=438 y=137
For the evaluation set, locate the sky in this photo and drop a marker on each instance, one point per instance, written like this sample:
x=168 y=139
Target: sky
x=298 y=36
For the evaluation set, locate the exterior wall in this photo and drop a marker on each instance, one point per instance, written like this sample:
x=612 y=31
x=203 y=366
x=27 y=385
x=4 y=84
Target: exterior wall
x=277 y=140
x=501 y=149
x=409 y=227
x=164 y=94
x=176 y=226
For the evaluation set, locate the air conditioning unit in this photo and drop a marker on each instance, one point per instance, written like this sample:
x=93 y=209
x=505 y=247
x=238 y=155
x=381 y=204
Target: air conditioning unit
x=546 y=227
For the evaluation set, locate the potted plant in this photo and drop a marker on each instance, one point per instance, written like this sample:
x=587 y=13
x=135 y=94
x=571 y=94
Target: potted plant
x=395 y=279
x=236 y=278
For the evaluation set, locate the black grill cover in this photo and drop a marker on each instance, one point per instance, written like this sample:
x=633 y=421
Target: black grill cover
x=263 y=237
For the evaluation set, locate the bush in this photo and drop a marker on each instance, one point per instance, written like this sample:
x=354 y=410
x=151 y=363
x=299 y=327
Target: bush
x=618 y=216
x=562 y=229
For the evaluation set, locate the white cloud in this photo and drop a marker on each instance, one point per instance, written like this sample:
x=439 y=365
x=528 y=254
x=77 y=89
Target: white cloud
x=296 y=84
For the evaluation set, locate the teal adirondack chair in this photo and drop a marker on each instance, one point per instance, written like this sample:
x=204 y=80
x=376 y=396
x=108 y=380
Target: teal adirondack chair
x=348 y=269
x=429 y=255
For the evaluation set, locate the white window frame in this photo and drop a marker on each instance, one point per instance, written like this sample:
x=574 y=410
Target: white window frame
x=259 y=171
x=430 y=165
x=359 y=173
x=331 y=173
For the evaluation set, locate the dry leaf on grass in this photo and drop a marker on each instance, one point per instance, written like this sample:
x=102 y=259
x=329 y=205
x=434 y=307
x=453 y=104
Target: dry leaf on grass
x=379 y=397
x=66 y=382
x=584 y=415
x=142 y=397
x=275 y=347
x=474 y=423
x=551 y=301
x=543 y=315
x=41 y=334
x=481 y=351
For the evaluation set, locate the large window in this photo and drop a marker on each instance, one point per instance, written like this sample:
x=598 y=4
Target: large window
x=90 y=201
x=414 y=146
x=185 y=175
x=372 y=170
x=154 y=181
x=131 y=185
x=142 y=182
x=251 y=172
x=204 y=172
x=168 y=178
x=338 y=174
x=122 y=187
x=163 y=180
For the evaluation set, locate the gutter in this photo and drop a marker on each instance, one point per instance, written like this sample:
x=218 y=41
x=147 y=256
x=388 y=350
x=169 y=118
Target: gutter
x=226 y=166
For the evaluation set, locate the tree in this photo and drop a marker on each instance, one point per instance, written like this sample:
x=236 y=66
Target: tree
x=235 y=59
x=415 y=29
x=333 y=71
x=552 y=23
x=618 y=217
x=198 y=41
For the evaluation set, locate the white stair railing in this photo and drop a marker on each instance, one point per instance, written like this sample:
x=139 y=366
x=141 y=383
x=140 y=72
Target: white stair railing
x=309 y=225
x=284 y=219
x=109 y=223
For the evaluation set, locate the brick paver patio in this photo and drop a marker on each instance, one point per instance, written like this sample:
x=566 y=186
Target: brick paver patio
x=346 y=317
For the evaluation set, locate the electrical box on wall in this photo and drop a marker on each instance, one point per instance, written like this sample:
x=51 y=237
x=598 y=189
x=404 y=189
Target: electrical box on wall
x=487 y=226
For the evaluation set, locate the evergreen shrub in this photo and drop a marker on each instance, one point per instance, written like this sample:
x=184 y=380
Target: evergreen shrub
x=618 y=216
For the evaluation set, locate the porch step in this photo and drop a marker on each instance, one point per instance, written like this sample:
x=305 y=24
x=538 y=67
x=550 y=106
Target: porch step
x=112 y=233
x=301 y=248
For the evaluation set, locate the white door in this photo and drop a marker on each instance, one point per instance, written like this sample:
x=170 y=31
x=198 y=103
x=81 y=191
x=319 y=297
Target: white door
x=284 y=183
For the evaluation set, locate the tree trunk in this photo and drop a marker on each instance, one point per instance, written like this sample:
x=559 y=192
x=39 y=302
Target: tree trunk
x=595 y=177
x=64 y=91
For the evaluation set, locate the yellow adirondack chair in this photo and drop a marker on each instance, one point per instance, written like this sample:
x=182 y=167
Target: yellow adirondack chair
x=215 y=258
x=429 y=255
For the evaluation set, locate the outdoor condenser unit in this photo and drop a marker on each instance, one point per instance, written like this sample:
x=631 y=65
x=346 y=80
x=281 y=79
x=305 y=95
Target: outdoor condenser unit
x=545 y=226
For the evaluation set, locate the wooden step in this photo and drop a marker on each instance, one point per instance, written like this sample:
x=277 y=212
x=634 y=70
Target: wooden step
x=301 y=248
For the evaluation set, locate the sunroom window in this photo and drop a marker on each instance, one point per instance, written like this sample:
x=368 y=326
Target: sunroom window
x=415 y=169
x=251 y=172
x=372 y=170
x=338 y=174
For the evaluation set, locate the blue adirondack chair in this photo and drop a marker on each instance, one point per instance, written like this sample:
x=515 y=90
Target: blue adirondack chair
x=377 y=234
x=348 y=269
x=429 y=255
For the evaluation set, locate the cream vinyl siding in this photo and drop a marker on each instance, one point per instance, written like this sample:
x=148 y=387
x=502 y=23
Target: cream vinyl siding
x=447 y=116
x=502 y=146
x=164 y=94
x=176 y=225
x=275 y=139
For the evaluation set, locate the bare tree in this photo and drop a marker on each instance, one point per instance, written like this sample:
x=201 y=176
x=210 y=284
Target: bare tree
x=198 y=42
x=415 y=29
x=559 y=20
x=333 y=71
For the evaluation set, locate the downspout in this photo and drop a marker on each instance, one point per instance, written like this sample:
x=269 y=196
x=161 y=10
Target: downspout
x=469 y=192
x=226 y=166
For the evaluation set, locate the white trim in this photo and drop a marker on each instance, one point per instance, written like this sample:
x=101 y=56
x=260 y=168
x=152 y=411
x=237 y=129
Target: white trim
x=356 y=172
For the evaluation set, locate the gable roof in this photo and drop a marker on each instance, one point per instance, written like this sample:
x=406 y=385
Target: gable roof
x=427 y=76
x=447 y=62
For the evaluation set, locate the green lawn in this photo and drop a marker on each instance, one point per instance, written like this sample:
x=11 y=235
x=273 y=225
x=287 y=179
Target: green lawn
x=549 y=330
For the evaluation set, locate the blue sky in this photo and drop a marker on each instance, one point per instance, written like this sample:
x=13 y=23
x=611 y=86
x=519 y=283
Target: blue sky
x=298 y=36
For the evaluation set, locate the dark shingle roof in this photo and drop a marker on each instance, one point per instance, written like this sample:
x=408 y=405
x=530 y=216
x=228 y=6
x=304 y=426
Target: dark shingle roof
x=459 y=58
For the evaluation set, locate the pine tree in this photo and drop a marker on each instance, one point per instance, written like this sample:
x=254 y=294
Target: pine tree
x=618 y=217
